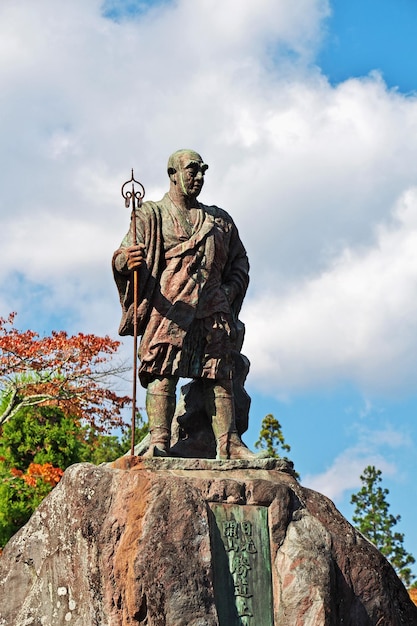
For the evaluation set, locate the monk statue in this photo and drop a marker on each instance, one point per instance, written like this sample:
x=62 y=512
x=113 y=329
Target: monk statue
x=193 y=273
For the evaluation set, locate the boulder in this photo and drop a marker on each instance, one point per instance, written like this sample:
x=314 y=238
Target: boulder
x=184 y=542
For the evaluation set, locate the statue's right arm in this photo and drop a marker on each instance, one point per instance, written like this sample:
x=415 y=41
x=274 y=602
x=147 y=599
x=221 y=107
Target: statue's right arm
x=130 y=258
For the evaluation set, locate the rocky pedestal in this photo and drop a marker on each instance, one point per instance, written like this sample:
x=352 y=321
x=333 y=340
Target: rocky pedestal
x=167 y=542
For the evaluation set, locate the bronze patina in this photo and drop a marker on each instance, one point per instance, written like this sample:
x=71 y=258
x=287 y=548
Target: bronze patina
x=192 y=275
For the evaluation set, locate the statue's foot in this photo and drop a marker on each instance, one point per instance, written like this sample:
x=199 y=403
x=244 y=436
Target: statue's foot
x=159 y=444
x=154 y=451
x=230 y=446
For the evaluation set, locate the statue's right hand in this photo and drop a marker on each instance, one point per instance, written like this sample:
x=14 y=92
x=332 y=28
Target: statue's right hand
x=135 y=256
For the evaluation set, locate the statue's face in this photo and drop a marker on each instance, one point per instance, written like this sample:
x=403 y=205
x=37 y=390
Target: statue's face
x=191 y=170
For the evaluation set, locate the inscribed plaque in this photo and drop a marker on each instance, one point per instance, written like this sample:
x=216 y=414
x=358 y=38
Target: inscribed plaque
x=242 y=564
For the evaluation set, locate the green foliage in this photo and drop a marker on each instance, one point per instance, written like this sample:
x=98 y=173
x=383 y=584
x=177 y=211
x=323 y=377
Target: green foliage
x=271 y=437
x=43 y=436
x=372 y=518
x=105 y=448
x=18 y=500
x=141 y=430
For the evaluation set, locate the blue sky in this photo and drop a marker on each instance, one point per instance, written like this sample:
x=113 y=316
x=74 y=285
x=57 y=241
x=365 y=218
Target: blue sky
x=307 y=115
x=371 y=35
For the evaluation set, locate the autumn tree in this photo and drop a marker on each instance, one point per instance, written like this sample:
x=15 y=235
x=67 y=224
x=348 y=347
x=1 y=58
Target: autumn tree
x=373 y=519
x=56 y=408
x=69 y=372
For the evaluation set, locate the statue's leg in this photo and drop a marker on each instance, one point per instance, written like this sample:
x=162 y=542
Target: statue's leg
x=160 y=407
x=220 y=406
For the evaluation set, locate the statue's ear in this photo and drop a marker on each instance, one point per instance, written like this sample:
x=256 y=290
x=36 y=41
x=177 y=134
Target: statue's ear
x=171 y=171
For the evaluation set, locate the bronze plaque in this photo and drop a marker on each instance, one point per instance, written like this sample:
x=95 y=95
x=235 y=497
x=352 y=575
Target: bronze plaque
x=242 y=564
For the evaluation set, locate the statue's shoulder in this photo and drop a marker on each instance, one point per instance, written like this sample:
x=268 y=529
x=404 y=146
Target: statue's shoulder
x=150 y=210
x=150 y=207
x=217 y=213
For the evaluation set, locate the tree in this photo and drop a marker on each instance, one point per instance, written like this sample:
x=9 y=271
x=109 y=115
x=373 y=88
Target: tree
x=109 y=447
x=69 y=372
x=372 y=518
x=55 y=410
x=35 y=449
x=43 y=434
x=271 y=437
x=21 y=492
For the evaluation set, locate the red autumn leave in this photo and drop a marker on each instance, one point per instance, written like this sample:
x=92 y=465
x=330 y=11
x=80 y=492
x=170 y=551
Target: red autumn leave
x=71 y=372
x=45 y=471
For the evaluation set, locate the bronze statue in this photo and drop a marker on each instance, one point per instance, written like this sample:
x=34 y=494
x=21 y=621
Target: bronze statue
x=193 y=273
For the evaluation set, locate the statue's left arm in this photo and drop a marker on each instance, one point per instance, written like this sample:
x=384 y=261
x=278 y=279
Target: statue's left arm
x=236 y=272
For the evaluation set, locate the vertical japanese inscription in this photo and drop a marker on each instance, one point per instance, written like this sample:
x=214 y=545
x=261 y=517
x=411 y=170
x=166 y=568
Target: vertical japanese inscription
x=238 y=541
x=242 y=568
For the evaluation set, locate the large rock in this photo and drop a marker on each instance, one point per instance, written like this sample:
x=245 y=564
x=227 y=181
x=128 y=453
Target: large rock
x=140 y=542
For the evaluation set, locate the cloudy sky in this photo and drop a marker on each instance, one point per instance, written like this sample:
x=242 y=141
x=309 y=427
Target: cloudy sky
x=307 y=115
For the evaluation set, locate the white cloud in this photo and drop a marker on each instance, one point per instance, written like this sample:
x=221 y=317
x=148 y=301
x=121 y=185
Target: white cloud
x=356 y=320
x=344 y=473
x=318 y=178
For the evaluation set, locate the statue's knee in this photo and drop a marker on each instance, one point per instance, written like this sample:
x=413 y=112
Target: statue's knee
x=163 y=386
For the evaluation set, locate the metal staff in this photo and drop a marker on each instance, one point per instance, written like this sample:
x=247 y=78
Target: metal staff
x=134 y=198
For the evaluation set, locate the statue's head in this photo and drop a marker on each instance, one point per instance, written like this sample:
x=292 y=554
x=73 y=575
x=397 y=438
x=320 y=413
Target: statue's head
x=186 y=170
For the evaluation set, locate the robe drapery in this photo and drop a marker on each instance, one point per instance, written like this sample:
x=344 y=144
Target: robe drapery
x=190 y=290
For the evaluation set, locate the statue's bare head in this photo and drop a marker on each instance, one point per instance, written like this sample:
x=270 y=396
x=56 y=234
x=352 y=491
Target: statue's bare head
x=186 y=171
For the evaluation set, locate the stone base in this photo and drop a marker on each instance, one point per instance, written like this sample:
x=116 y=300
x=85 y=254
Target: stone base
x=174 y=542
x=173 y=463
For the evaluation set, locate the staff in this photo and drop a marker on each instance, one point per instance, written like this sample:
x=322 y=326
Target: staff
x=134 y=198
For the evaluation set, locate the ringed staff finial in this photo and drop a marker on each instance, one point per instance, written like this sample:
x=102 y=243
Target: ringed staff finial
x=134 y=198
